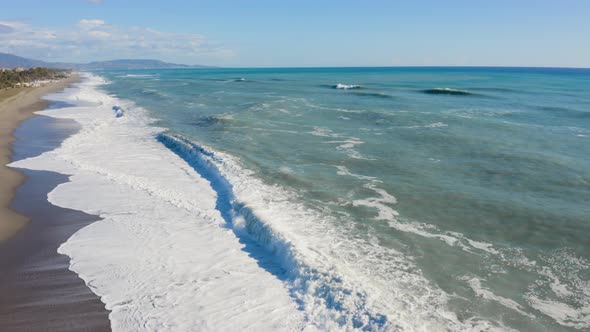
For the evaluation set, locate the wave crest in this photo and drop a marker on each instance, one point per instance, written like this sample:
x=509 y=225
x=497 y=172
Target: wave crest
x=345 y=305
x=346 y=86
x=448 y=91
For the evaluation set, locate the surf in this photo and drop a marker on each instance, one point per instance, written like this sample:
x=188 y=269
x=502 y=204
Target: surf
x=177 y=201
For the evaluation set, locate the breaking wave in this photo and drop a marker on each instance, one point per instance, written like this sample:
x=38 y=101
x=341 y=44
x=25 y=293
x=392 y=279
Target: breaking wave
x=346 y=86
x=448 y=91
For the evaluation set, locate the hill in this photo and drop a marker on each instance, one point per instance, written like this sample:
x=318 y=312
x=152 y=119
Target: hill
x=134 y=64
x=12 y=61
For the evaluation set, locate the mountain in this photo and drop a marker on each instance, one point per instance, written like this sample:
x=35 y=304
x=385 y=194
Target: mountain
x=135 y=64
x=12 y=61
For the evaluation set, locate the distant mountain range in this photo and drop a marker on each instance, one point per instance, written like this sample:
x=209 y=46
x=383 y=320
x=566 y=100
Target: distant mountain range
x=12 y=61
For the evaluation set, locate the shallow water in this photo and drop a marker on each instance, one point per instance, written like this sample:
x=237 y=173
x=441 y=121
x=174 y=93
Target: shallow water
x=455 y=197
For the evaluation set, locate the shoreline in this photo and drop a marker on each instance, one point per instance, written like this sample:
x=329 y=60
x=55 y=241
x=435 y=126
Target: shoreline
x=149 y=198
x=39 y=291
x=17 y=105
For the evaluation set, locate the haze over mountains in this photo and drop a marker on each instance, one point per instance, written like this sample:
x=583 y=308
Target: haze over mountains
x=12 y=61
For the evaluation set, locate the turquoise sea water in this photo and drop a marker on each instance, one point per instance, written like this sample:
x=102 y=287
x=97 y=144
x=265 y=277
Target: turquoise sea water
x=480 y=177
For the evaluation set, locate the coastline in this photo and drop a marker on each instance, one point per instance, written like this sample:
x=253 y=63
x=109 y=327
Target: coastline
x=17 y=105
x=160 y=188
x=139 y=197
x=39 y=291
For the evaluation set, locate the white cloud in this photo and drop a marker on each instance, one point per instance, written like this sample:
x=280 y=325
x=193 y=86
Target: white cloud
x=5 y=28
x=90 y=24
x=95 y=39
x=12 y=25
x=18 y=42
x=99 y=34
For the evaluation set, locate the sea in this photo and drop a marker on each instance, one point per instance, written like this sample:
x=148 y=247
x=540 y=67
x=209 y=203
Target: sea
x=374 y=199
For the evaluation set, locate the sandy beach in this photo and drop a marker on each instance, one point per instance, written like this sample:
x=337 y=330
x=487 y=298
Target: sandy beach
x=39 y=292
x=16 y=105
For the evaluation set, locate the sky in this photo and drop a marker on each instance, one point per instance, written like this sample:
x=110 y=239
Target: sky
x=304 y=33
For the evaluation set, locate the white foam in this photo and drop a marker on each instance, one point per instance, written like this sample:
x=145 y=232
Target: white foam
x=343 y=170
x=344 y=110
x=568 y=301
x=161 y=258
x=138 y=75
x=436 y=125
x=380 y=203
x=348 y=147
x=323 y=132
x=286 y=170
x=485 y=293
x=346 y=86
x=563 y=313
x=338 y=276
x=431 y=125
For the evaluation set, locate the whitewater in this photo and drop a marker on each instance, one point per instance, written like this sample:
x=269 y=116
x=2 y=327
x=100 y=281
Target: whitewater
x=163 y=257
x=190 y=239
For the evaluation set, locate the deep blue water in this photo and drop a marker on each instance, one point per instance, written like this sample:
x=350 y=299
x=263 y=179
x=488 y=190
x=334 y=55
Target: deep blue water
x=479 y=176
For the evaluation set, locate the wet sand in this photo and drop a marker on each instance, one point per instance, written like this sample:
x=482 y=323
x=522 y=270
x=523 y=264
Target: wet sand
x=17 y=105
x=37 y=290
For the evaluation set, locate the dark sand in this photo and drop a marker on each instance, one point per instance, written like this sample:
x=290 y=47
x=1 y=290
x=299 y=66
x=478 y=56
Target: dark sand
x=37 y=291
x=16 y=105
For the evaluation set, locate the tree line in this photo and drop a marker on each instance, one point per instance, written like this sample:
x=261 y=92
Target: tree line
x=10 y=78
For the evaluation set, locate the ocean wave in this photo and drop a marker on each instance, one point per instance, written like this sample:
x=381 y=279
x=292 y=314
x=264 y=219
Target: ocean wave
x=212 y=120
x=346 y=86
x=331 y=299
x=177 y=201
x=565 y=112
x=495 y=89
x=198 y=276
x=374 y=94
x=239 y=80
x=221 y=248
x=137 y=75
x=448 y=91
x=361 y=93
x=245 y=220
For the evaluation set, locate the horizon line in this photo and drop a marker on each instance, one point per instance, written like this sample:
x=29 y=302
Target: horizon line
x=319 y=67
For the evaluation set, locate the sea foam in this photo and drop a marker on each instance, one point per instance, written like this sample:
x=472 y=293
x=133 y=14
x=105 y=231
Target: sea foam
x=346 y=86
x=161 y=258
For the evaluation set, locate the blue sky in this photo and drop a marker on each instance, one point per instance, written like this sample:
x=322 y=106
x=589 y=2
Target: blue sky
x=280 y=33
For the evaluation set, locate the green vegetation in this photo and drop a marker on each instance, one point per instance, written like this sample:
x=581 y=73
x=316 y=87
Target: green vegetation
x=10 y=78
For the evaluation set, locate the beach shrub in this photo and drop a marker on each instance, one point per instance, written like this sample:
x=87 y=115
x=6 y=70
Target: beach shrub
x=10 y=78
